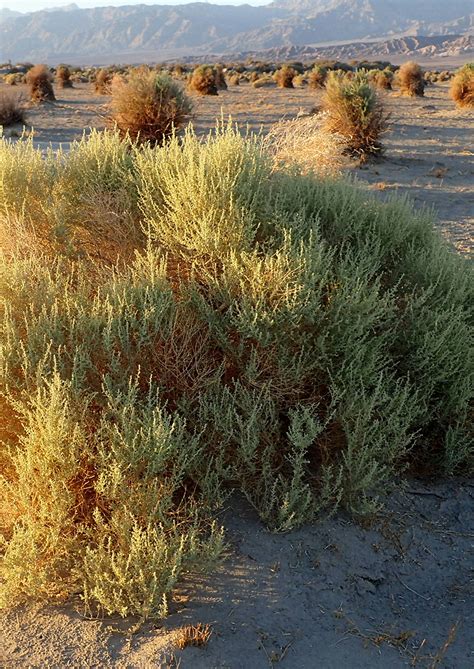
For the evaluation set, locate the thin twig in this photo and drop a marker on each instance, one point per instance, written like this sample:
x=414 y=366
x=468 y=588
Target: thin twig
x=411 y=589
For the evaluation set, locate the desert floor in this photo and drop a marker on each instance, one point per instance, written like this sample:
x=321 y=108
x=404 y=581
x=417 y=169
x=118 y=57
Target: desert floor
x=396 y=591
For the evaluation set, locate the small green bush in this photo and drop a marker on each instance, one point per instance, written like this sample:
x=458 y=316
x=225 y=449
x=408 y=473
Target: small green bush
x=356 y=112
x=270 y=332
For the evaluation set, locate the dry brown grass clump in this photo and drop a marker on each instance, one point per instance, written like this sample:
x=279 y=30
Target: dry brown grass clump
x=462 y=86
x=317 y=77
x=203 y=80
x=234 y=80
x=355 y=111
x=149 y=106
x=63 y=76
x=411 y=79
x=39 y=80
x=284 y=77
x=102 y=83
x=11 y=109
x=266 y=81
x=193 y=635
x=306 y=143
x=382 y=79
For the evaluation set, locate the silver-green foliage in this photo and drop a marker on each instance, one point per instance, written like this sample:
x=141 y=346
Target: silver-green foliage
x=290 y=338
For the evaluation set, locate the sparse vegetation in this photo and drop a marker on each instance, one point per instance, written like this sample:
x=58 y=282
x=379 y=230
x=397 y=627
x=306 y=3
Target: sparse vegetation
x=63 y=77
x=284 y=77
x=203 y=80
x=239 y=325
x=219 y=76
x=382 y=78
x=149 y=106
x=102 y=82
x=462 y=86
x=411 y=79
x=192 y=635
x=317 y=77
x=356 y=112
x=39 y=80
x=266 y=81
x=12 y=110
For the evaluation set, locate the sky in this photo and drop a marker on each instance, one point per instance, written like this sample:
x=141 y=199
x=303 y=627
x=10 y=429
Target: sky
x=36 y=5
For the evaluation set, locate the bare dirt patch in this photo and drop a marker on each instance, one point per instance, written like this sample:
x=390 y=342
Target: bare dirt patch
x=396 y=592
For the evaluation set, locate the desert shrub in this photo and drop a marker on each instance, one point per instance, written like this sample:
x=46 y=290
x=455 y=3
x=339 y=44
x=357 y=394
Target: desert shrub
x=220 y=78
x=317 y=77
x=179 y=70
x=234 y=80
x=87 y=208
x=462 y=86
x=266 y=81
x=305 y=143
x=39 y=81
x=446 y=75
x=411 y=80
x=63 y=76
x=287 y=336
x=11 y=79
x=102 y=82
x=149 y=106
x=299 y=80
x=381 y=78
x=284 y=77
x=355 y=111
x=203 y=80
x=12 y=110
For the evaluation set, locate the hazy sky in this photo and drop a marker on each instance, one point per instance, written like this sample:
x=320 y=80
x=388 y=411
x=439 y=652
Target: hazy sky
x=35 y=5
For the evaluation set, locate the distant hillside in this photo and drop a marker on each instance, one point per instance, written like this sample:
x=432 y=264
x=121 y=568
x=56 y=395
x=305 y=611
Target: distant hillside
x=6 y=14
x=421 y=48
x=156 y=32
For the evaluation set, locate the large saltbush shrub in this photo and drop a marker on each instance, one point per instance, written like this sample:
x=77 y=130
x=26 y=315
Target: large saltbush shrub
x=257 y=330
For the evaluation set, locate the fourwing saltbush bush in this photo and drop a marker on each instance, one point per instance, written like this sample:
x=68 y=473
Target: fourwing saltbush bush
x=149 y=106
x=257 y=330
x=356 y=111
x=462 y=86
x=411 y=80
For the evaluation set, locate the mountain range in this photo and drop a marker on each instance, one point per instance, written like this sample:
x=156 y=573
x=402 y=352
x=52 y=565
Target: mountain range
x=134 y=33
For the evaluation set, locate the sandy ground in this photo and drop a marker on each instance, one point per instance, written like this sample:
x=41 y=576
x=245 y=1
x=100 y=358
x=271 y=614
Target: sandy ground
x=396 y=592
